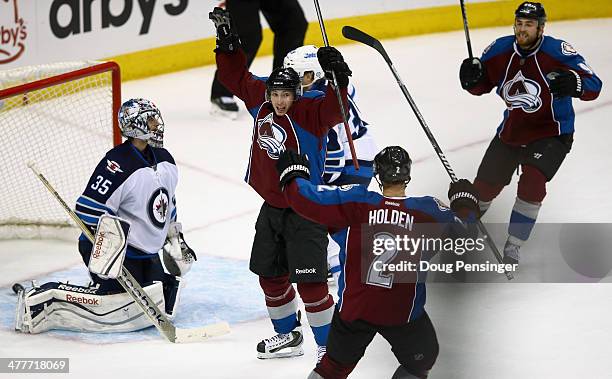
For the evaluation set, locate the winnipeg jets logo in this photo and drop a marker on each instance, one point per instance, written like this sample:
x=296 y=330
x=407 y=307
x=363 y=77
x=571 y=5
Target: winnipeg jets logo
x=113 y=166
x=270 y=136
x=523 y=93
x=158 y=207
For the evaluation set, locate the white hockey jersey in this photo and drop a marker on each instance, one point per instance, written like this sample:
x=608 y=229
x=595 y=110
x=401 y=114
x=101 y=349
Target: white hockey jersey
x=141 y=191
x=338 y=160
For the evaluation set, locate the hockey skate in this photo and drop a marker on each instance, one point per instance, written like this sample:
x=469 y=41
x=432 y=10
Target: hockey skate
x=511 y=253
x=224 y=106
x=282 y=345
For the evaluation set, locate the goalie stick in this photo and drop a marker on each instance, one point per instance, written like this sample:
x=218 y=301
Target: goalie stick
x=357 y=35
x=131 y=286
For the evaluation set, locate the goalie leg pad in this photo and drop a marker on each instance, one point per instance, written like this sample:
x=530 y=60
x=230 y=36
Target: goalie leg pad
x=83 y=309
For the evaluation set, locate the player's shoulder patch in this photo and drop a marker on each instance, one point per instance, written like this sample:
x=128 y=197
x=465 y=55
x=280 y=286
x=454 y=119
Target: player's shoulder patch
x=427 y=203
x=441 y=206
x=558 y=48
x=567 y=49
x=119 y=162
x=115 y=160
x=113 y=166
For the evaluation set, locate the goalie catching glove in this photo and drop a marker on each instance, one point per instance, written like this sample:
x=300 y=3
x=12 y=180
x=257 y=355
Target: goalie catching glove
x=292 y=165
x=177 y=255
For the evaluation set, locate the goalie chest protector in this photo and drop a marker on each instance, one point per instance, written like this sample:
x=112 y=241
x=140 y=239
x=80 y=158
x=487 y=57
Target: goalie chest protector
x=138 y=190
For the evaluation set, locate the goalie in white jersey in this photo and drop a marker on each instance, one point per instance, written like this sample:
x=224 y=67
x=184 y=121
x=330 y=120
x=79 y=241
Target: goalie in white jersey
x=135 y=181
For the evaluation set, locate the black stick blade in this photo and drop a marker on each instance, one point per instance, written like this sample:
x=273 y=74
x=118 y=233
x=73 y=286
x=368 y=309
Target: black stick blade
x=357 y=35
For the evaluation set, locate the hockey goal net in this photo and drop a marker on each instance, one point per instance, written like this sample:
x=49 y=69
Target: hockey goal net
x=63 y=118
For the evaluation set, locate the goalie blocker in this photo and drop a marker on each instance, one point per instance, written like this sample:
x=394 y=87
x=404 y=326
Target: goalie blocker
x=109 y=247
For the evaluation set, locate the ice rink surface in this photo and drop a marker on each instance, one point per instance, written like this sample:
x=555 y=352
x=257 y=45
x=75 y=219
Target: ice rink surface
x=487 y=331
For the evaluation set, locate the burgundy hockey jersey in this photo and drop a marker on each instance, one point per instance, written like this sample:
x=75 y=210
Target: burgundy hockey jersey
x=367 y=293
x=532 y=113
x=303 y=129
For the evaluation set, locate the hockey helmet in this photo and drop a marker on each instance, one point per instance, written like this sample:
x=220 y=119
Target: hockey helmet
x=135 y=116
x=531 y=10
x=304 y=59
x=392 y=165
x=284 y=78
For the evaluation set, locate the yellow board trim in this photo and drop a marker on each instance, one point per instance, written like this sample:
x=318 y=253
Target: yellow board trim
x=198 y=53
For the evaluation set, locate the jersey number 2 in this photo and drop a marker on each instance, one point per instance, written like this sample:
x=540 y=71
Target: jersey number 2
x=376 y=277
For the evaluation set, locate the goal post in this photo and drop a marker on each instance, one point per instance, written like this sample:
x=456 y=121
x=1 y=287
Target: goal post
x=63 y=117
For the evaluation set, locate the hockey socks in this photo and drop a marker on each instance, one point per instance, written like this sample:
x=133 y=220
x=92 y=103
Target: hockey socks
x=328 y=368
x=282 y=306
x=319 y=306
x=522 y=220
x=280 y=301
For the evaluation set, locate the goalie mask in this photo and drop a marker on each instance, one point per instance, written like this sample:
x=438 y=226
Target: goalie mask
x=140 y=119
x=304 y=59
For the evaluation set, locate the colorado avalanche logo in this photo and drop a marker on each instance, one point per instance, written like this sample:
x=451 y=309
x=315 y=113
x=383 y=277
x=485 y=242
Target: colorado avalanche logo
x=270 y=136
x=158 y=207
x=523 y=93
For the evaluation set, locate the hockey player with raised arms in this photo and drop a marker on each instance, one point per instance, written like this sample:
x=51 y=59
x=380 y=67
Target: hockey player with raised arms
x=380 y=302
x=135 y=181
x=537 y=76
x=287 y=248
x=339 y=169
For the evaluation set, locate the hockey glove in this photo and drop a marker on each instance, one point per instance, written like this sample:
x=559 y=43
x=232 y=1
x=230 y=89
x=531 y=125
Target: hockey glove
x=565 y=83
x=178 y=256
x=227 y=38
x=472 y=71
x=330 y=60
x=292 y=165
x=463 y=195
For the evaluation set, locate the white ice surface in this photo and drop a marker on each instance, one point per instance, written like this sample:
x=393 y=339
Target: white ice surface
x=485 y=331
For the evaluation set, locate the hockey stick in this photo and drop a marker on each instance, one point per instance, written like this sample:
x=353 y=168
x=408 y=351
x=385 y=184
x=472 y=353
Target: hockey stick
x=466 y=29
x=131 y=286
x=359 y=36
x=347 y=130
